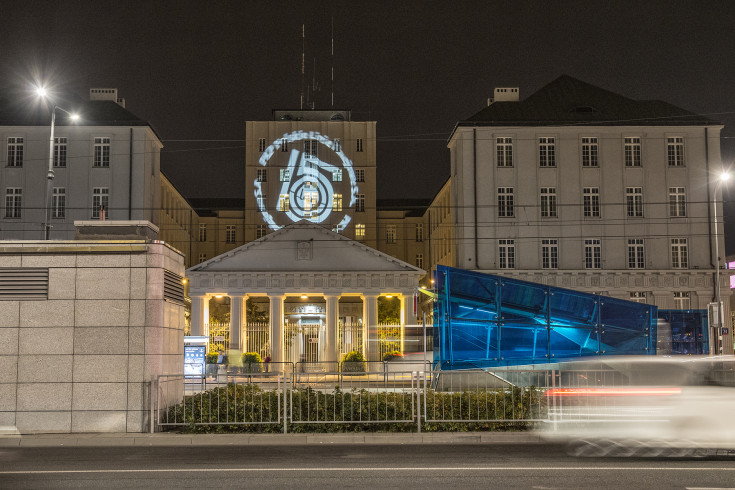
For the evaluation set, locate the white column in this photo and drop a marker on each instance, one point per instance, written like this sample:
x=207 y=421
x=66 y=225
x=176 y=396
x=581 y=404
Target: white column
x=199 y=313
x=276 y=326
x=237 y=315
x=370 y=327
x=407 y=317
x=330 y=348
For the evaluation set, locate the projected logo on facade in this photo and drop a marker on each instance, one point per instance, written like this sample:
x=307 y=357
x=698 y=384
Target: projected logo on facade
x=310 y=187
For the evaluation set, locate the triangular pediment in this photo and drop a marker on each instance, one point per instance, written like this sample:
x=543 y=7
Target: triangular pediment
x=304 y=247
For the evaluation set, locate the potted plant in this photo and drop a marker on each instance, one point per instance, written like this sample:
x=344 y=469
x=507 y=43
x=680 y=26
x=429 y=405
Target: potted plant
x=353 y=362
x=251 y=362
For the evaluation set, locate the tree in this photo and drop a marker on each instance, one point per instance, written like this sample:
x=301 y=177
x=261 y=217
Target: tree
x=389 y=311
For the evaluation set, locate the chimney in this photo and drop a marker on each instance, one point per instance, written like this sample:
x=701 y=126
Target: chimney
x=106 y=94
x=504 y=94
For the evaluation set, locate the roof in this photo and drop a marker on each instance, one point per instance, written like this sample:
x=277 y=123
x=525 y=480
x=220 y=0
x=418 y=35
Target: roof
x=568 y=101
x=413 y=207
x=22 y=111
x=206 y=206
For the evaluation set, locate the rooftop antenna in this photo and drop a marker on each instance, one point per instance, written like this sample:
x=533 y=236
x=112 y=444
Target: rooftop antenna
x=303 y=50
x=332 y=62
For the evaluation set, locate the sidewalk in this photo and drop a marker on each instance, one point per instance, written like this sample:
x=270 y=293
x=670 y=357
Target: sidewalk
x=172 y=439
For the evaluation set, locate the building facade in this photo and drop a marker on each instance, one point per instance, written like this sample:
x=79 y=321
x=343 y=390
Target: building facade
x=105 y=166
x=582 y=188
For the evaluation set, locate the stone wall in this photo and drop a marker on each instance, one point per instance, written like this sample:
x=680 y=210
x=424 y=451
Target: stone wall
x=82 y=359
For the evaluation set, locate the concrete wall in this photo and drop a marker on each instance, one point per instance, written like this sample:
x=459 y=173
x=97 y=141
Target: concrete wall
x=82 y=360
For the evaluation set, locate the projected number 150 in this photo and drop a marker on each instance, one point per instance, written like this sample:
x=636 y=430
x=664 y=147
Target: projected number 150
x=307 y=182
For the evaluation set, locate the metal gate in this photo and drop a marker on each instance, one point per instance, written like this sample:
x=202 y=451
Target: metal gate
x=302 y=340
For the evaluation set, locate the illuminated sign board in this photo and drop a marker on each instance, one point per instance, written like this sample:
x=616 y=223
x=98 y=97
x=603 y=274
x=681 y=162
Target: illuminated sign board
x=316 y=178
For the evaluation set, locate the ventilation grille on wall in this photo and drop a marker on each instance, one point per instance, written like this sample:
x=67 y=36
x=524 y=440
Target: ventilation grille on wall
x=23 y=284
x=173 y=287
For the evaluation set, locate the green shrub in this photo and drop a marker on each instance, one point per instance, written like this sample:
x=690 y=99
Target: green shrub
x=353 y=362
x=389 y=356
x=251 y=362
x=214 y=355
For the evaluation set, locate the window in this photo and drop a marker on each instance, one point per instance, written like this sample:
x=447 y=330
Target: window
x=589 y=152
x=360 y=175
x=360 y=203
x=102 y=152
x=675 y=149
x=419 y=232
x=634 y=201
x=202 y=233
x=337 y=202
x=636 y=254
x=60 y=152
x=13 y=202
x=262 y=175
x=360 y=232
x=505 y=202
x=592 y=254
x=337 y=228
x=310 y=149
x=202 y=258
x=506 y=254
x=100 y=202
x=284 y=144
x=283 y=203
x=15 y=152
x=230 y=234
x=261 y=231
x=632 y=152
x=261 y=145
x=677 y=202
x=390 y=234
x=679 y=253
x=58 y=203
x=548 y=202
x=504 y=147
x=261 y=202
x=546 y=152
x=337 y=175
x=591 y=202
x=311 y=201
x=681 y=300
x=359 y=144
x=285 y=174
x=420 y=261
x=549 y=254
x=337 y=145
x=638 y=296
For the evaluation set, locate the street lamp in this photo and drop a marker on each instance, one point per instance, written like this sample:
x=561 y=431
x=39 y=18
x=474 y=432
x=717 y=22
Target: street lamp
x=717 y=310
x=41 y=91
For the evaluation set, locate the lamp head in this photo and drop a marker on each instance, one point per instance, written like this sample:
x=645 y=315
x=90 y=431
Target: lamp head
x=41 y=91
x=725 y=176
x=74 y=117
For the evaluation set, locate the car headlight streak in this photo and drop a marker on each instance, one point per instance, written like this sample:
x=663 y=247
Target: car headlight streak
x=309 y=185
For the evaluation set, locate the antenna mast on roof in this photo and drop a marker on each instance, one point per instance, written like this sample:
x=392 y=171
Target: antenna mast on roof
x=332 y=62
x=303 y=50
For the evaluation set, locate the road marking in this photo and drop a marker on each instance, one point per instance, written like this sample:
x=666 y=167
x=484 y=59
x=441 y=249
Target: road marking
x=433 y=468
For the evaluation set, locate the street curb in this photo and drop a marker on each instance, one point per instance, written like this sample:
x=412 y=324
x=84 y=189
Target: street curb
x=373 y=438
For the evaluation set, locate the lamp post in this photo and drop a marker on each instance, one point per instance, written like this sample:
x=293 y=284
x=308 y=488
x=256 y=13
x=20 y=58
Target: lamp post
x=717 y=321
x=50 y=174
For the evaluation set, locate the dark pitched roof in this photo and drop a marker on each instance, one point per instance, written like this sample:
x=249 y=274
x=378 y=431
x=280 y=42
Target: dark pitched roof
x=22 y=111
x=206 y=206
x=413 y=207
x=568 y=101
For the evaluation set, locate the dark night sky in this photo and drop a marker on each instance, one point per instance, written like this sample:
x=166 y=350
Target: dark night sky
x=198 y=70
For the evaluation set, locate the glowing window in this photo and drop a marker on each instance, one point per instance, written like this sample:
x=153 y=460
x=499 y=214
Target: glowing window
x=337 y=202
x=283 y=203
x=360 y=233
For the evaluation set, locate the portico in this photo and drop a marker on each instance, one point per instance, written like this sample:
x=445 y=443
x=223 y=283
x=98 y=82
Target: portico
x=320 y=290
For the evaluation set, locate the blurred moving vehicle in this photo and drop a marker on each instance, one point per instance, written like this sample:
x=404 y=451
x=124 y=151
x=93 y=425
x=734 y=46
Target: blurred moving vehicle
x=652 y=406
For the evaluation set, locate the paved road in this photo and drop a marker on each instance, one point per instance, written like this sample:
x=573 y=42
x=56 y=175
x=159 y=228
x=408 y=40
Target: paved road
x=355 y=466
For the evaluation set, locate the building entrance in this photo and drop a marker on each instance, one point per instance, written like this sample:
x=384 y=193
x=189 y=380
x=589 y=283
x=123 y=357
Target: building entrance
x=303 y=339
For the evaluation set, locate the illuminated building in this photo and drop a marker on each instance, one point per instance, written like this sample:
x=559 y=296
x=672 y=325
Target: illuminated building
x=581 y=188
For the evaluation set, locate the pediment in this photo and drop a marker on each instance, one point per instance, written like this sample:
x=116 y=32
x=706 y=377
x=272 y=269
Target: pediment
x=304 y=247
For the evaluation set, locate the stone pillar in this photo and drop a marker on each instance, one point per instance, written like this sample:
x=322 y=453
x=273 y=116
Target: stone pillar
x=370 y=327
x=276 y=326
x=237 y=317
x=407 y=317
x=199 y=314
x=330 y=348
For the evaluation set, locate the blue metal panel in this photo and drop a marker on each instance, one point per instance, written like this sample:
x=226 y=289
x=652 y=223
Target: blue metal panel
x=482 y=320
